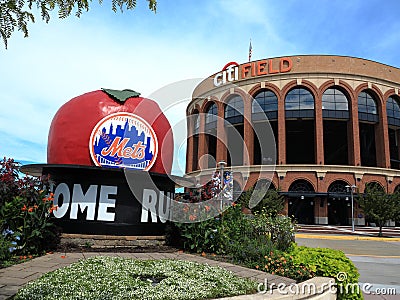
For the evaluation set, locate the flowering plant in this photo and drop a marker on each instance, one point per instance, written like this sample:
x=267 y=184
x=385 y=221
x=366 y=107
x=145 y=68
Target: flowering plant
x=25 y=211
x=121 y=278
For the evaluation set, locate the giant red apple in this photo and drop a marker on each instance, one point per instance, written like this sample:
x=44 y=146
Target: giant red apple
x=111 y=128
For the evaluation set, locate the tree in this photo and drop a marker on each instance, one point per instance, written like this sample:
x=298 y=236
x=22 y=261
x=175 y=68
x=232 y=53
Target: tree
x=379 y=206
x=269 y=201
x=17 y=13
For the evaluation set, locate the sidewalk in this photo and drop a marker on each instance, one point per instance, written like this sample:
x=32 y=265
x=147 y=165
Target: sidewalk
x=15 y=277
x=366 y=231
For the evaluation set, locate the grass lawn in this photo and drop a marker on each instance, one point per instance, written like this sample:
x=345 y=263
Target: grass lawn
x=120 y=278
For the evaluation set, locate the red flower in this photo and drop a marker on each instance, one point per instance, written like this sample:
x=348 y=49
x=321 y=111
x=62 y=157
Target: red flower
x=24 y=208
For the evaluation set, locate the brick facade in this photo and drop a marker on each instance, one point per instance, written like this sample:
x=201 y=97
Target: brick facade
x=315 y=74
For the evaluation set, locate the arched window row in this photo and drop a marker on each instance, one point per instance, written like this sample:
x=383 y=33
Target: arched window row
x=299 y=103
x=335 y=105
x=299 y=98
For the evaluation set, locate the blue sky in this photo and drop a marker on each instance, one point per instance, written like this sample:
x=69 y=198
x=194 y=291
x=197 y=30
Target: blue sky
x=184 y=40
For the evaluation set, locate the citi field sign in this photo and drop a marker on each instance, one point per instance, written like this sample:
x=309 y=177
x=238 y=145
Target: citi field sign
x=232 y=71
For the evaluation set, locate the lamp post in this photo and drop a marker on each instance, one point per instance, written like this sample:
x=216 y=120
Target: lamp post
x=351 y=187
x=222 y=164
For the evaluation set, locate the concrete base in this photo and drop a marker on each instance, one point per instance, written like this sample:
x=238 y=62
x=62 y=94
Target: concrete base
x=390 y=223
x=111 y=241
x=321 y=220
x=359 y=221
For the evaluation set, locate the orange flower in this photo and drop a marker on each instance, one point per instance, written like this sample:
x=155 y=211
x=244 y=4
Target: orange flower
x=234 y=204
x=53 y=208
x=63 y=256
x=257 y=267
x=207 y=207
x=24 y=208
x=30 y=256
x=203 y=254
x=30 y=209
x=35 y=206
x=186 y=208
x=192 y=217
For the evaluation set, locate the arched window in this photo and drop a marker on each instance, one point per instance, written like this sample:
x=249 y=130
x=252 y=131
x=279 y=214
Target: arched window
x=211 y=116
x=393 y=111
x=299 y=103
x=300 y=127
x=367 y=109
x=335 y=111
x=335 y=104
x=234 y=110
x=265 y=102
x=234 y=130
x=338 y=187
x=301 y=185
x=374 y=185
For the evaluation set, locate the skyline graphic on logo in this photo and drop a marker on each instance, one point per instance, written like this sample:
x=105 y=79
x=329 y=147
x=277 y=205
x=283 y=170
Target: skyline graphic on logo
x=123 y=140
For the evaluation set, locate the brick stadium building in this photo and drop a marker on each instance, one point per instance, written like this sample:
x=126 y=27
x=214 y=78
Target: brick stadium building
x=336 y=122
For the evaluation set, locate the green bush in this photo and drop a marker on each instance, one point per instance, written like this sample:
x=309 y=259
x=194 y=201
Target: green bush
x=282 y=264
x=280 y=229
x=213 y=234
x=237 y=234
x=330 y=263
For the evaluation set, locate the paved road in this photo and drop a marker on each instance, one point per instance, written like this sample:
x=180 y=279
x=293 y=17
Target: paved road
x=377 y=260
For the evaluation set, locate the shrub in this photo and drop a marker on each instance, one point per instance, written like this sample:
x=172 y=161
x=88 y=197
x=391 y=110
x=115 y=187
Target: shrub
x=280 y=229
x=329 y=263
x=8 y=245
x=213 y=234
x=282 y=264
x=25 y=210
x=238 y=235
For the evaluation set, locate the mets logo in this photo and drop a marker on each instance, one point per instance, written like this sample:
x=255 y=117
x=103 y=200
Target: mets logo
x=123 y=140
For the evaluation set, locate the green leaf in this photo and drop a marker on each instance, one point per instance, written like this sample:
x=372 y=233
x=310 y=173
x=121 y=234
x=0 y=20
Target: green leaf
x=121 y=96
